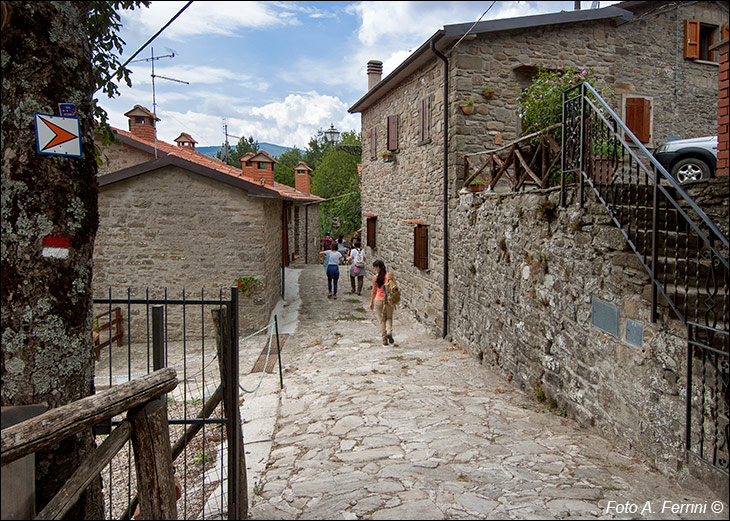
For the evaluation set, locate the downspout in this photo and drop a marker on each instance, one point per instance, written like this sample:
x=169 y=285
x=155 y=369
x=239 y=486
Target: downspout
x=446 y=183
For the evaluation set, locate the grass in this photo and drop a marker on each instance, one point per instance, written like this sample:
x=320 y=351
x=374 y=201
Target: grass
x=353 y=300
x=350 y=317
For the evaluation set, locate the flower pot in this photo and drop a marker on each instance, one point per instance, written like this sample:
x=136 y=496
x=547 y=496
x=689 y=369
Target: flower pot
x=488 y=93
x=467 y=108
x=476 y=187
x=388 y=159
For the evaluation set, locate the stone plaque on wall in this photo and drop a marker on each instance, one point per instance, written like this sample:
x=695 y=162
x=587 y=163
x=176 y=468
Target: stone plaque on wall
x=604 y=316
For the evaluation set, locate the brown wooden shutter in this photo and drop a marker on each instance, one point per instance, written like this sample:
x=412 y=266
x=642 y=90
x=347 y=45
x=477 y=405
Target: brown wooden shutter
x=692 y=39
x=420 y=247
x=424 y=119
x=638 y=118
x=724 y=32
x=371 y=231
x=373 y=143
x=392 y=133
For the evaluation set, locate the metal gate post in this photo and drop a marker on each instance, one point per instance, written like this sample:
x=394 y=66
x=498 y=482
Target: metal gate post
x=581 y=160
x=231 y=389
x=158 y=337
x=278 y=351
x=562 y=156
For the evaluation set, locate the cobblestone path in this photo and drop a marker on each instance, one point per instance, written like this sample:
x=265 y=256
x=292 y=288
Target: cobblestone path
x=421 y=430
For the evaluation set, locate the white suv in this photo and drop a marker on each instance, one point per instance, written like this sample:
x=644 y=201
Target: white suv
x=689 y=159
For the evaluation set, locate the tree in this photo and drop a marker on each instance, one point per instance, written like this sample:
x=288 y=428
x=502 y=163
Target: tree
x=284 y=171
x=315 y=150
x=244 y=145
x=46 y=301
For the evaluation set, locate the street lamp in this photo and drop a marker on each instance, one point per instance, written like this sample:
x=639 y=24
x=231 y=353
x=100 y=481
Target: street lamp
x=332 y=134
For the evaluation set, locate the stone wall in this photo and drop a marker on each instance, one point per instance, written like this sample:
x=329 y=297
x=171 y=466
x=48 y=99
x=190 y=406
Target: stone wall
x=306 y=239
x=175 y=229
x=523 y=280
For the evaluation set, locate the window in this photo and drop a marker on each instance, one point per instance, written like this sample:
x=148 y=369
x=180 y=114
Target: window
x=392 y=133
x=373 y=143
x=638 y=118
x=420 y=247
x=371 y=231
x=262 y=166
x=139 y=120
x=248 y=164
x=424 y=121
x=698 y=38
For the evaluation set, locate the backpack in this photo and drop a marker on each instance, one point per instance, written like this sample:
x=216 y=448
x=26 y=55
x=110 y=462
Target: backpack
x=360 y=259
x=392 y=291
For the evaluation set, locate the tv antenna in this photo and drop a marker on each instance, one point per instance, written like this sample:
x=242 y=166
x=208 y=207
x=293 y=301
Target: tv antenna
x=225 y=151
x=152 y=60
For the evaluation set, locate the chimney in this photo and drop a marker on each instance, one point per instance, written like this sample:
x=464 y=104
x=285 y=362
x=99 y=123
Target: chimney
x=258 y=167
x=301 y=177
x=185 y=140
x=142 y=123
x=375 y=72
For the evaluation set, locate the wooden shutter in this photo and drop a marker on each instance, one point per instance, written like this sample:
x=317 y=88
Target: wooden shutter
x=638 y=118
x=392 y=133
x=724 y=32
x=371 y=232
x=692 y=39
x=420 y=247
x=373 y=143
x=424 y=119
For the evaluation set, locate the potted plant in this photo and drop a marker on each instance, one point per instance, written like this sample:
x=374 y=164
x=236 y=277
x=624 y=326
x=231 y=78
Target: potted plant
x=387 y=156
x=477 y=185
x=604 y=161
x=488 y=92
x=468 y=106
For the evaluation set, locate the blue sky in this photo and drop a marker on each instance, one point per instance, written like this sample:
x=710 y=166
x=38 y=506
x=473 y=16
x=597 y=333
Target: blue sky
x=277 y=71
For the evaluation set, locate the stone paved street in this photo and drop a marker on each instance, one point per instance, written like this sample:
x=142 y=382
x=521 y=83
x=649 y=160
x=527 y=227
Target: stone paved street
x=421 y=430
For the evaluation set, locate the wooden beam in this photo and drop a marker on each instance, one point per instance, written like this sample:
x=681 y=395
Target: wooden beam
x=46 y=430
x=86 y=473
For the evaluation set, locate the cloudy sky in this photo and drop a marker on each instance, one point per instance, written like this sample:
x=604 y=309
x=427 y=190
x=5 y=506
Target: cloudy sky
x=277 y=71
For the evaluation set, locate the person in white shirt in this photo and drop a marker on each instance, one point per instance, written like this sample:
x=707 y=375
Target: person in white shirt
x=333 y=270
x=357 y=271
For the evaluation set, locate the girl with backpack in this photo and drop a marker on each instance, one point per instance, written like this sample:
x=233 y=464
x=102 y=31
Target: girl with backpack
x=383 y=307
x=357 y=267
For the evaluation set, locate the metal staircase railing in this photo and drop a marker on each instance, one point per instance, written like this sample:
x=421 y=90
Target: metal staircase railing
x=682 y=250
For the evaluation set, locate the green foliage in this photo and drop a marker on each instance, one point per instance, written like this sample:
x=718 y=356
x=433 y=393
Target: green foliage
x=469 y=101
x=335 y=177
x=247 y=284
x=284 y=171
x=106 y=47
x=244 y=145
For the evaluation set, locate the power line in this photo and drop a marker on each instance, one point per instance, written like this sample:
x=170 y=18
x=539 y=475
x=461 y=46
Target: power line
x=472 y=27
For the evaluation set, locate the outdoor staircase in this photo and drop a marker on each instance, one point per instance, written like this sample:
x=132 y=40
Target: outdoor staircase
x=684 y=255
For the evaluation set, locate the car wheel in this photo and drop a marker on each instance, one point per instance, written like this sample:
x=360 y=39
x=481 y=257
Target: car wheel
x=690 y=169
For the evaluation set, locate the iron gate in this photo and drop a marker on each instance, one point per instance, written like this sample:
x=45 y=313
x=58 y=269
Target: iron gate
x=199 y=338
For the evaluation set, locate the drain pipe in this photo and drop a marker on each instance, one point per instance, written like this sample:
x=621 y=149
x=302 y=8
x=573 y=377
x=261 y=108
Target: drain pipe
x=446 y=183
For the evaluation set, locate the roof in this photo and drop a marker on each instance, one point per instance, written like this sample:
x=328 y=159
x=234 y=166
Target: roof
x=302 y=165
x=259 y=156
x=199 y=163
x=184 y=137
x=139 y=110
x=450 y=34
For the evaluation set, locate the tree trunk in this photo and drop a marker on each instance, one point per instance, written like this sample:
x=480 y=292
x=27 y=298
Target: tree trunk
x=46 y=298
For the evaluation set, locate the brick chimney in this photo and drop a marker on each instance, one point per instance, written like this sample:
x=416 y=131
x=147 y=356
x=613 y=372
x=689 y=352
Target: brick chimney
x=258 y=167
x=142 y=123
x=185 y=140
x=375 y=72
x=302 y=177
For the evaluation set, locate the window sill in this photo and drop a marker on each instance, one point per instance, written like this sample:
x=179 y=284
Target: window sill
x=424 y=142
x=705 y=62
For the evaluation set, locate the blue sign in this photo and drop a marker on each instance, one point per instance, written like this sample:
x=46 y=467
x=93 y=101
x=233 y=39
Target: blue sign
x=67 y=110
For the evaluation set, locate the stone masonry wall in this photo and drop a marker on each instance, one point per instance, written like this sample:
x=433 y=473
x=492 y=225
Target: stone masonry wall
x=175 y=229
x=522 y=285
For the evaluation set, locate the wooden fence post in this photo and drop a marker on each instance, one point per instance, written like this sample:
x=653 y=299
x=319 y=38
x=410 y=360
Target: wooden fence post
x=153 y=462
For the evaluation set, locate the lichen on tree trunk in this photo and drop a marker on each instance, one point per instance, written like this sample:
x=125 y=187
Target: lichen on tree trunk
x=46 y=301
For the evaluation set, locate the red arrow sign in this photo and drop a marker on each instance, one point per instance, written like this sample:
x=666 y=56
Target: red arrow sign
x=61 y=135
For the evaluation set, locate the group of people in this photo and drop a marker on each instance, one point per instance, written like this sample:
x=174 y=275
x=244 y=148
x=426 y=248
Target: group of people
x=339 y=252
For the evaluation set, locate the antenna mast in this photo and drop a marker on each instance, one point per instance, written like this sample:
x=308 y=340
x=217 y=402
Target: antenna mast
x=152 y=59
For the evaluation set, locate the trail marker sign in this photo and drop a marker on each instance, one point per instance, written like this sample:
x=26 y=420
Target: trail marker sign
x=58 y=136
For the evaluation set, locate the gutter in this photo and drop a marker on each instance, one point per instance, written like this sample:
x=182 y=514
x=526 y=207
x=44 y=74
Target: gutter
x=446 y=183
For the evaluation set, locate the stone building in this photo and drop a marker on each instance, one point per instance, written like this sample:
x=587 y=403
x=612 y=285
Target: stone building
x=174 y=218
x=509 y=282
x=662 y=88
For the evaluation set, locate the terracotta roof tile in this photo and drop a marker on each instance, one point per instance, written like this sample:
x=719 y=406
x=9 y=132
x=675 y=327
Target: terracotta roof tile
x=216 y=164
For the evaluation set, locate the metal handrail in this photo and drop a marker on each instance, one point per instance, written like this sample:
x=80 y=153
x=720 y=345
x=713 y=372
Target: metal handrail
x=659 y=168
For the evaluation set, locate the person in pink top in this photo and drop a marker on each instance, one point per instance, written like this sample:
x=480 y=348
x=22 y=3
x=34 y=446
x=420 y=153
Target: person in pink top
x=383 y=308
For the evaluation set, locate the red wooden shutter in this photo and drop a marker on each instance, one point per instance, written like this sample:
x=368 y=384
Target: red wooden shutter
x=371 y=232
x=424 y=119
x=420 y=247
x=373 y=142
x=724 y=32
x=638 y=118
x=692 y=39
x=392 y=132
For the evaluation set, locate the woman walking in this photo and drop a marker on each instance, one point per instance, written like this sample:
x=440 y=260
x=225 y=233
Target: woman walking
x=333 y=269
x=357 y=267
x=383 y=308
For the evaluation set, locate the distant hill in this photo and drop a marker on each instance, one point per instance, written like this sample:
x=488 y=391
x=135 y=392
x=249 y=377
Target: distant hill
x=269 y=148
